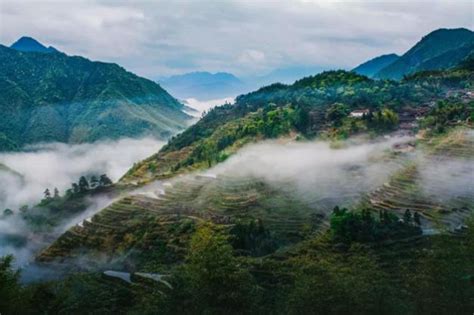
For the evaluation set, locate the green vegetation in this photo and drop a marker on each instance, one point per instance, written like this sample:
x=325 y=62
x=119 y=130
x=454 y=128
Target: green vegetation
x=361 y=226
x=310 y=107
x=418 y=276
x=55 y=97
x=245 y=245
x=441 y=49
x=54 y=209
x=10 y=289
x=446 y=114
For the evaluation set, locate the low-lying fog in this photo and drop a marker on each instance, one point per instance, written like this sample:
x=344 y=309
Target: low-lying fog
x=202 y=106
x=314 y=171
x=58 y=165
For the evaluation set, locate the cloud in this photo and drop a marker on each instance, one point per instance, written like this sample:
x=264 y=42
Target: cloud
x=156 y=38
x=314 y=171
x=58 y=165
x=202 y=106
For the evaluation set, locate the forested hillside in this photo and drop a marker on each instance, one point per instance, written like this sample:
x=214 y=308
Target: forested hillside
x=233 y=242
x=313 y=106
x=440 y=49
x=55 y=97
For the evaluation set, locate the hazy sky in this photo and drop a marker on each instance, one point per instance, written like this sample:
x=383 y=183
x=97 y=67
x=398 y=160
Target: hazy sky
x=155 y=38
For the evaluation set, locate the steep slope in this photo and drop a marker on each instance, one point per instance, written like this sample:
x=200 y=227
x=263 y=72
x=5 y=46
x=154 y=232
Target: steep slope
x=371 y=67
x=28 y=44
x=203 y=85
x=441 y=49
x=55 y=97
x=274 y=111
x=163 y=218
x=286 y=229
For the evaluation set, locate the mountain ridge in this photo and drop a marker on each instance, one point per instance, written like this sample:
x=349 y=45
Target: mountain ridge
x=433 y=45
x=372 y=66
x=55 y=97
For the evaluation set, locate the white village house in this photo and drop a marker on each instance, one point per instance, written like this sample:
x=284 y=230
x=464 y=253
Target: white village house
x=359 y=113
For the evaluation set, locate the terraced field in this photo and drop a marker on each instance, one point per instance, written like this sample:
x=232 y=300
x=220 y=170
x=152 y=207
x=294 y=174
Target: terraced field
x=158 y=219
x=439 y=185
x=162 y=221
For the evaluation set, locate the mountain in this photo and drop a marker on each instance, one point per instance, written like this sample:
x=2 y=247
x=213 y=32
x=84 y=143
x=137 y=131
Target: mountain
x=263 y=232
x=203 y=85
x=28 y=44
x=371 y=67
x=55 y=97
x=440 y=49
x=278 y=108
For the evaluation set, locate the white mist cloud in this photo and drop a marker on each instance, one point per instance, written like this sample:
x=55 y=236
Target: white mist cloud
x=202 y=106
x=154 y=38
x=58 y=165
x=443 y=180
x=313 y=171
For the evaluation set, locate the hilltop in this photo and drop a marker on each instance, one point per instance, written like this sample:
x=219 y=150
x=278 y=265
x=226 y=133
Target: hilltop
x=28 y=44
x=440 y=49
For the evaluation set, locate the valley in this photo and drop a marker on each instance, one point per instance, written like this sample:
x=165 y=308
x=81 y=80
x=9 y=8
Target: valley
x=343 y=192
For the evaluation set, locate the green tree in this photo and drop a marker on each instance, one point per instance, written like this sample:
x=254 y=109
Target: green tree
x=7 y=212
x=104 y=180
x=332 y=283
x=10 y=290
x=336 y=113
x=94 y=182
x=385 y=120
x=47 y=194
x=218 y=283
x=83 y=184
x=417 y=218
x=407 y=217
x=75 y=188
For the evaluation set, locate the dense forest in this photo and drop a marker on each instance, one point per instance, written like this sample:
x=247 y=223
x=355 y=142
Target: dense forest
x=56 y=97
x=312 y=107
x=344 y=270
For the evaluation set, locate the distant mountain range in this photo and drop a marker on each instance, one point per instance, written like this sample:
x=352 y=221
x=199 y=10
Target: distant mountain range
x=206 y=86
x=203 y=85
x=440 y=49
x=49 y=96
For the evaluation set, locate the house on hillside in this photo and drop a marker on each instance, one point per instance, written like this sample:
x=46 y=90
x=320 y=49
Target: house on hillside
x=359 y=113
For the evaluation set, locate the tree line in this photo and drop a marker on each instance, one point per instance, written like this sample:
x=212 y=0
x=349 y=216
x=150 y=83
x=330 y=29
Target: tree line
x=83 y=185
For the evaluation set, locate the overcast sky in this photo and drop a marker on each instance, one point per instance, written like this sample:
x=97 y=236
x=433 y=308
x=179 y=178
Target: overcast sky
x=156 y=38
